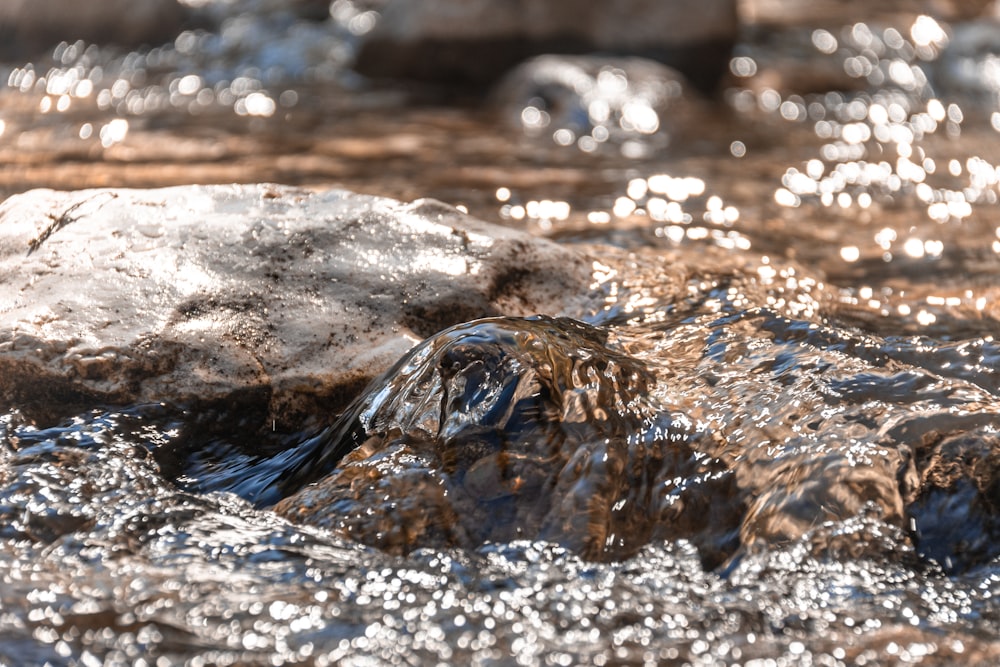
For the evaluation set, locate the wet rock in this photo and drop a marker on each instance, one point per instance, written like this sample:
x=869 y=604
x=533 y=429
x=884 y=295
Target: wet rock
x=505 y=429
x=29 y=27
x=53 y=484
x=282 y=300
x=801 y=494
x=956 y=517
x=610 y=99
x=476 y=41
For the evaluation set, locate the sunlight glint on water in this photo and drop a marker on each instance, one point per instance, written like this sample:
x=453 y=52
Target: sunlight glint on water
x=806 y=279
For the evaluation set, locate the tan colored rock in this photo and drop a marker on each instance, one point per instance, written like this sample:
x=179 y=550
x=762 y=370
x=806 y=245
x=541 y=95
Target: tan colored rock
x=287 y=299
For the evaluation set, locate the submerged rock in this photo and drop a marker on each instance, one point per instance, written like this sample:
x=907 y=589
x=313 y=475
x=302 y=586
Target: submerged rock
x=956 y=518
x=29 y=27
x=506 y=429
x=475 y=41
x=286 y=300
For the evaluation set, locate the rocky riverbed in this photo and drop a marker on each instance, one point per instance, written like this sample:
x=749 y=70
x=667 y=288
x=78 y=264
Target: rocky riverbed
x=585 y=366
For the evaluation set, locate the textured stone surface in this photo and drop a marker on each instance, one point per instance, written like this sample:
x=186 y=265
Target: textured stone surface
x=288 y=299
x=477 y=40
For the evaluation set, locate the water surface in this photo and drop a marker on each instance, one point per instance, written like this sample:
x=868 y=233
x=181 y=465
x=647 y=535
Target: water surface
x=776 y=443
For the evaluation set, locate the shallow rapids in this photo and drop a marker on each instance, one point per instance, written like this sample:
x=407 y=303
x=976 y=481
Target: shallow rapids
x=706 y=478
x=774 y=438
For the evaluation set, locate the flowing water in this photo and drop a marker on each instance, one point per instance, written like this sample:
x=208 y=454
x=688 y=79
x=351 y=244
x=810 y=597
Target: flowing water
x=778 y=441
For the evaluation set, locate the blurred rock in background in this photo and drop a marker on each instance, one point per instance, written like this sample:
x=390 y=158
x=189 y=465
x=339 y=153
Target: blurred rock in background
x=476 y=41
x=840 y=12
x=31 y=27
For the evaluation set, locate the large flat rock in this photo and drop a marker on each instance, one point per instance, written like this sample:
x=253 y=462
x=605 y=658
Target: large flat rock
x=286 y=298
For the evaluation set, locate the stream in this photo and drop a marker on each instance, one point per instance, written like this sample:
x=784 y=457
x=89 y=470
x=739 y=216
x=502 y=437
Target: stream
x=776 y=441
